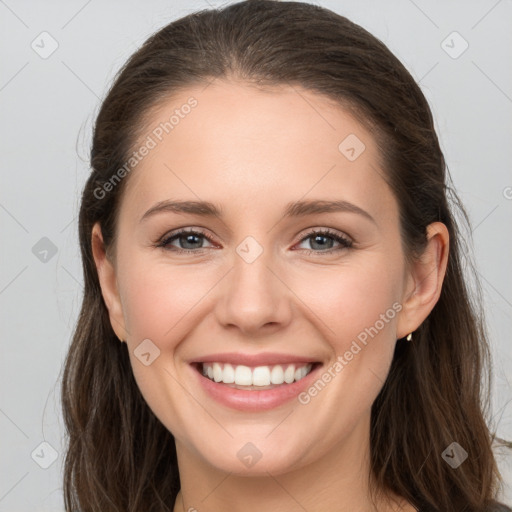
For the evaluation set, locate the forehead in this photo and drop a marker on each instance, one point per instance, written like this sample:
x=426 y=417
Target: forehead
x=234 y=143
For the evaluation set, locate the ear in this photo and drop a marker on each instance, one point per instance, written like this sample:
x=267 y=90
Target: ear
x=424 y=280
x=108 y=283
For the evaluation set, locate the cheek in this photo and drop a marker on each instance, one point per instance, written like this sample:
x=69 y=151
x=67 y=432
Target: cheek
x=351 y=298
x=357 y=308
x=163 y=302
x=157 y=298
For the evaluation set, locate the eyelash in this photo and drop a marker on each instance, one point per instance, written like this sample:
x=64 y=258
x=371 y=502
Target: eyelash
x=345 y=243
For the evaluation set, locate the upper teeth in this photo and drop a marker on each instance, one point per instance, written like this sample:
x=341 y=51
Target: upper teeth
x=259 y=376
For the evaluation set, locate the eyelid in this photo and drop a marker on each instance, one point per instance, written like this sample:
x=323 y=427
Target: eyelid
x=183 y=231
x=325 y=231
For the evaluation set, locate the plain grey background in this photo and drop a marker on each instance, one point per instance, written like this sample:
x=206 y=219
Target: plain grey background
x=48 y=104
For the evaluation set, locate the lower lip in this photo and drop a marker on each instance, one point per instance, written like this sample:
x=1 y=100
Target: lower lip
x=253 y=401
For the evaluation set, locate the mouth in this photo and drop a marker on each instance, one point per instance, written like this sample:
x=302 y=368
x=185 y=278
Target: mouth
x=255 y=378
x=254 y=382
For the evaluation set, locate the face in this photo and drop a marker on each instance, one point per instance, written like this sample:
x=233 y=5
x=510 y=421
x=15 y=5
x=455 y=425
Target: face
x=267 y=283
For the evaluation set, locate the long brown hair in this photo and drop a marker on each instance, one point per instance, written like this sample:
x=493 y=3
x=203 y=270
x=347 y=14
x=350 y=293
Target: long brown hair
x=120 y=457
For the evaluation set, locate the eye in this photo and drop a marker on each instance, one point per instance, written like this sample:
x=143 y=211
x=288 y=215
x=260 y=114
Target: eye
x=323 y=240
x=190 y=241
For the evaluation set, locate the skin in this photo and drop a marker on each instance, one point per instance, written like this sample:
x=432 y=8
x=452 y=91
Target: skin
x=251 y=151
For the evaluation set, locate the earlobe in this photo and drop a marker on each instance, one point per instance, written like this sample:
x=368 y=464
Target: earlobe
x=108 y=282
x=425 y=280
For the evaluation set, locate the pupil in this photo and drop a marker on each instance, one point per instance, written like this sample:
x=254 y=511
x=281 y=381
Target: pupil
x=190 y=239
x=318 y=238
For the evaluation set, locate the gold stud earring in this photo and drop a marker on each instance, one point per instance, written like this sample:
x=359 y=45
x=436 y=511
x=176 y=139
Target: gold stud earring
x=409 y=337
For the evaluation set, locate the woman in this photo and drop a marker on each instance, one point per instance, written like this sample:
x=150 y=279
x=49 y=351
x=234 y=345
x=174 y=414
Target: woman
x=266 y=229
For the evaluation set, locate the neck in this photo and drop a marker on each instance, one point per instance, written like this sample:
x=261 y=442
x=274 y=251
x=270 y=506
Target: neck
x=337 y=480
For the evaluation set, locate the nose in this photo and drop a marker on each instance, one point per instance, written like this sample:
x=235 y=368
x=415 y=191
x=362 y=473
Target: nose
x=254 y=297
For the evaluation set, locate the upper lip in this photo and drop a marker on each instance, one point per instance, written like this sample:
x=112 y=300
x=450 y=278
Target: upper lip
x=262 y=359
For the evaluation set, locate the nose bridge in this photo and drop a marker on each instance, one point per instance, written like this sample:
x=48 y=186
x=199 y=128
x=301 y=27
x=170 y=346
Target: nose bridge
x=253 y=295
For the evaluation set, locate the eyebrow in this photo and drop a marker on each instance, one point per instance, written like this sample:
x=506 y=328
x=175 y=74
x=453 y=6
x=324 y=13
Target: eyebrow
x=293 y=209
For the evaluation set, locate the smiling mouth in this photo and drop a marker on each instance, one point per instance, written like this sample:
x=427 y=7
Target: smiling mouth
x=255 y=378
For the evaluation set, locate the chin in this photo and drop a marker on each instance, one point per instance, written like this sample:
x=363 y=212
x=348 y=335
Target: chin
x=253 y=459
